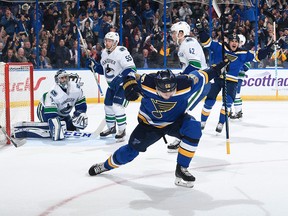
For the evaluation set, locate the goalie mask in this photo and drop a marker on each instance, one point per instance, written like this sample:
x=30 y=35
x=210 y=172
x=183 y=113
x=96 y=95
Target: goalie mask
x=62 y=78
x=166 y=83
x=179 y=27
x=111 y=41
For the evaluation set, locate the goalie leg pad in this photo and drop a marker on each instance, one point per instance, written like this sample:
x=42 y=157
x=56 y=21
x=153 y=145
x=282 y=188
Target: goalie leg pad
x=33 y=129
x=56 y=131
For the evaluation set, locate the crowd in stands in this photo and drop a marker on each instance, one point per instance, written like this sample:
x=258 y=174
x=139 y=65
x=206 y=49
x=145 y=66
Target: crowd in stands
x=143 y=27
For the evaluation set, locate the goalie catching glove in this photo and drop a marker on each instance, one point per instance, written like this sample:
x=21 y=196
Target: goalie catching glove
x=80 y=121
x=131 y=89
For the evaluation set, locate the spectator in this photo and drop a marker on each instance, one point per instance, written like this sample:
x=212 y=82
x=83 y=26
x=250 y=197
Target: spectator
x=62 y=55
x=21 y=55
x=74 y=54
x=148 y=15
x=9 y=22
x=1 y=51
x=184 y=11
x=285 y=58
x=96 y=25
x=27 y=48
x=10 y=57
x=33 y=58
x=45 y=62
x=110 y=8
x=145 y=60
x=136 y=44
x=87 y=32
x=49 y=19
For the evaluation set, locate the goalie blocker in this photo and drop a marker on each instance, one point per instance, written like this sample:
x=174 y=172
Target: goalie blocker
x=42 y=130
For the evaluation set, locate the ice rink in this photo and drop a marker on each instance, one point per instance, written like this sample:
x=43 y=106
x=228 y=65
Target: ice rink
x=50 y=178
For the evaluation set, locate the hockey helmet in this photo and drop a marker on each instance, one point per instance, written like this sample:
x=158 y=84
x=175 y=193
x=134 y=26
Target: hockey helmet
x=232 y=37
x=180 y=26
x=165 y=81
x=114 y=36
x=242 y=40
x=63 y=83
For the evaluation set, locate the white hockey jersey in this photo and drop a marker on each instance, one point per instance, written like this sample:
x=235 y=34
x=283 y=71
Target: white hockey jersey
x=64 y=102
x=191 y=51
x=117 y=61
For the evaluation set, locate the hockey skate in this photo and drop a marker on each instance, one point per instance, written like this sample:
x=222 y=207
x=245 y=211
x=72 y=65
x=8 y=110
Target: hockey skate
x=107 y=132
x=219 y=127
x=173 y=147
x=120 y=136
x=203 y=125
x=97 y=169
x=237 y=115
x=183 y=177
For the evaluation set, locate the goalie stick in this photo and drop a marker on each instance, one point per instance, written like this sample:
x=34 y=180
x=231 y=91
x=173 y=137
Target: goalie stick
x=87 y=55
x=15 y=142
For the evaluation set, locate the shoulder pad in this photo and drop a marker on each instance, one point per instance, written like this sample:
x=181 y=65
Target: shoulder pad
x=122 y=48
x=188 y=39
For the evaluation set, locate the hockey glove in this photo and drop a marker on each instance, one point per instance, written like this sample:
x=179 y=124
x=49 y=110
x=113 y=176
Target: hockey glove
x=199 y=26
x=80 y=121
x=116 y=82
x=217 y=70
x=91 y=64
x=131 y=88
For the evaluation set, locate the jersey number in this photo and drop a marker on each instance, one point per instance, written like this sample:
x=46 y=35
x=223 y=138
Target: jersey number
x=192 y=50
x=128 y=58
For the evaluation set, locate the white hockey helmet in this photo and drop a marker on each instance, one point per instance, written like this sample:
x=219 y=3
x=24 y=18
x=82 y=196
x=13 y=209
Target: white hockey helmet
x=114 y=36
x=242 y=40
x=63 y=83
x=180 y=26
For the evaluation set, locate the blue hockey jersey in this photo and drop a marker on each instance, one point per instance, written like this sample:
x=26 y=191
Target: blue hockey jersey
x=237 y=58
x=158 y=112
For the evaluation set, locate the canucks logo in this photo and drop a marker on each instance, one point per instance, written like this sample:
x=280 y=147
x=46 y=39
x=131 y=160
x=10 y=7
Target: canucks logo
x=161 y=107
x=108 y=71
x=66 y=110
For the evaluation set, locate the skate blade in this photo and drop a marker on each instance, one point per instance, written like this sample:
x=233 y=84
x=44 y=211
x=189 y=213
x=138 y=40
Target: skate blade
x=108 y=136
x=217 y=134
x=120 y=140
x=182 y=183
x=172 y=150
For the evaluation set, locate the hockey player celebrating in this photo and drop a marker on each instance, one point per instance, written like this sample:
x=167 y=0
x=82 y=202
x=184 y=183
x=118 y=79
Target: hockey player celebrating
x=56 y=105
x=238 y=58
x=191 y=58
x=163 y=110
x=116 y=63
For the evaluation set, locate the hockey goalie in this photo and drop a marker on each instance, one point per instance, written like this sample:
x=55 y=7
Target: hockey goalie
x=54 y=110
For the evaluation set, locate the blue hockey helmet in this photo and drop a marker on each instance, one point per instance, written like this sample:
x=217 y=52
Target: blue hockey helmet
x=232 y=37
x=165 y=81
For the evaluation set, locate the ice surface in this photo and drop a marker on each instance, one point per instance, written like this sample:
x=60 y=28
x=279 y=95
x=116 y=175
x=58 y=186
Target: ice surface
x=50 y=178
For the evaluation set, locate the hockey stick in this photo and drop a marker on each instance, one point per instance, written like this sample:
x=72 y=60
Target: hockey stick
x=271 y=16
x=87 y=55
x=221 y=16
x=100 y=128
x=15 y=142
